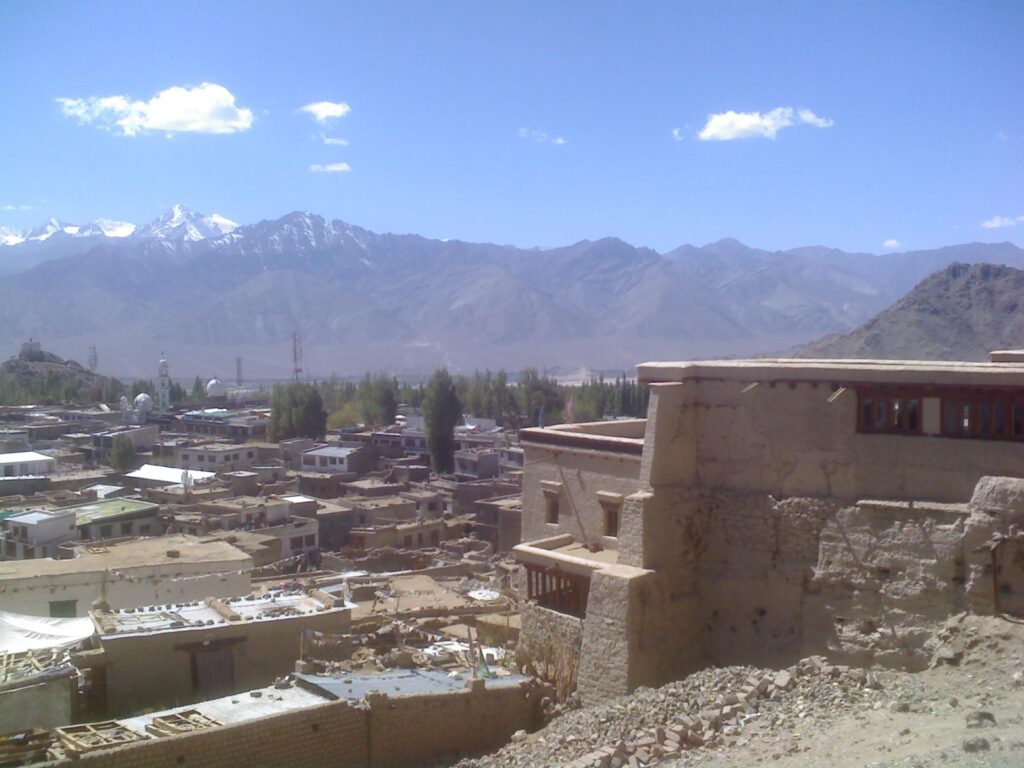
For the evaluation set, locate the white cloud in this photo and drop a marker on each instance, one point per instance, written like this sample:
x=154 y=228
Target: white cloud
x=726 y=126
x=540 y=137
x=10 y=207
x=806 y=116
x=891 y=243
x=335 y=141
x=998 y=222
x=1002 y=136
x=322 y=111
x=677 y=135
x=330 y=168
x=205 y=108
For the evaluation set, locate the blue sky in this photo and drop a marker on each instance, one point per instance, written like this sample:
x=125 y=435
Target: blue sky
x=527 y=123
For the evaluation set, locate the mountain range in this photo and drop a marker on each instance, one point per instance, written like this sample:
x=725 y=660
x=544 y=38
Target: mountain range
x=961 y=312
x=206 y=291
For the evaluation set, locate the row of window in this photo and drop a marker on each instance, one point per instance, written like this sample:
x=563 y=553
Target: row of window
x=980 y=415
x=890 y=414
x=224 y=457
x=996 y=420
x=298 y=542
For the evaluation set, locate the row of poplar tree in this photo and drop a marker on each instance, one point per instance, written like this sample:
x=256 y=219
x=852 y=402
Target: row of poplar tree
x=302 y=409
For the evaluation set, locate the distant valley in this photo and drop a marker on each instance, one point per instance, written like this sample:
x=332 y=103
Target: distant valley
x=205 y=291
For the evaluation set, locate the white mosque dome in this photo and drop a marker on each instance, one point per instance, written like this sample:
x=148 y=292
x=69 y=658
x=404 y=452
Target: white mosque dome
x=216 y=388
x=143 y=403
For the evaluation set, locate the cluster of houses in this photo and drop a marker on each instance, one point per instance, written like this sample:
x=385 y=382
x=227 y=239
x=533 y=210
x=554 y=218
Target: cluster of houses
x=240 y=563
x=764 y=511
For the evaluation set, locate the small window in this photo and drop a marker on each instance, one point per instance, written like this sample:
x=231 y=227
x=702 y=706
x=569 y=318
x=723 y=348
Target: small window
x=311 y=540
x=297 y=542
x=63 y=609
x=248 y=455
x=551 y=509
x=611 y=520
x=880 y=414
x=913 y=414
x=407 y=542
x=966 y=420
x=106 y=531
x=949 y=421
x=985 y=418
x=897 y=414
x=144 y=529
x=867 y=411
x=126 y=529
x=999 y=420
x=184 y=457
x=1018 y=419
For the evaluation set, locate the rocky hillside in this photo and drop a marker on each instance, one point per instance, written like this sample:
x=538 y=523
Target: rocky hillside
x=964 y=711
x=961 y=312
x=46 y=377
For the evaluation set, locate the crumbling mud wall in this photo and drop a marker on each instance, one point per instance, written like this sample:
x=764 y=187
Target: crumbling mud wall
x=864 y=583
x=730 y=578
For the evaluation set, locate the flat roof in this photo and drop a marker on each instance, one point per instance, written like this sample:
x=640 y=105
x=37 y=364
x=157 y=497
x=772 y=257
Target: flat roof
x=137 y=553
x=37 y=516
x=396 y=682
x=175 y=617
x=169 y=475
x=24 y=457
x=376 y=502
x=330 y=450
x=102 y=490
x=840 y=371
x=238 y=707
x=105 y=508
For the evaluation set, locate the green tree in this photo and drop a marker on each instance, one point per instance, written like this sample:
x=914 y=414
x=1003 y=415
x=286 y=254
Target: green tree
x=122 y=453
x=296 y=410
x=198 y=390
x=178 y=393
x=442 y=411
x=378 y=399
x=541 y=398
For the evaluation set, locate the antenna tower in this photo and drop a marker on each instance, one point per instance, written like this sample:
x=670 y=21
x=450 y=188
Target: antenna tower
x=238 y=372
x=93 y=359
x=297 y=355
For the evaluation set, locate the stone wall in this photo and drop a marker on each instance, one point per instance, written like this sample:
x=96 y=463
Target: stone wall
x=747 y=578
x=333 y=734
x=549 y=645
x=385 y=732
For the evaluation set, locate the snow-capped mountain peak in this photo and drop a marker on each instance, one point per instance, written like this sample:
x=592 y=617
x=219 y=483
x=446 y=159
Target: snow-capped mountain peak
x=180 y=223
x=49 y=228
x=107 y=228
x=10 y=236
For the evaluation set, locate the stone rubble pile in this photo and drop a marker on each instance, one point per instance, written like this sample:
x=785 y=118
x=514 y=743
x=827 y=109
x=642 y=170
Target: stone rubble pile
x=711 y=708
